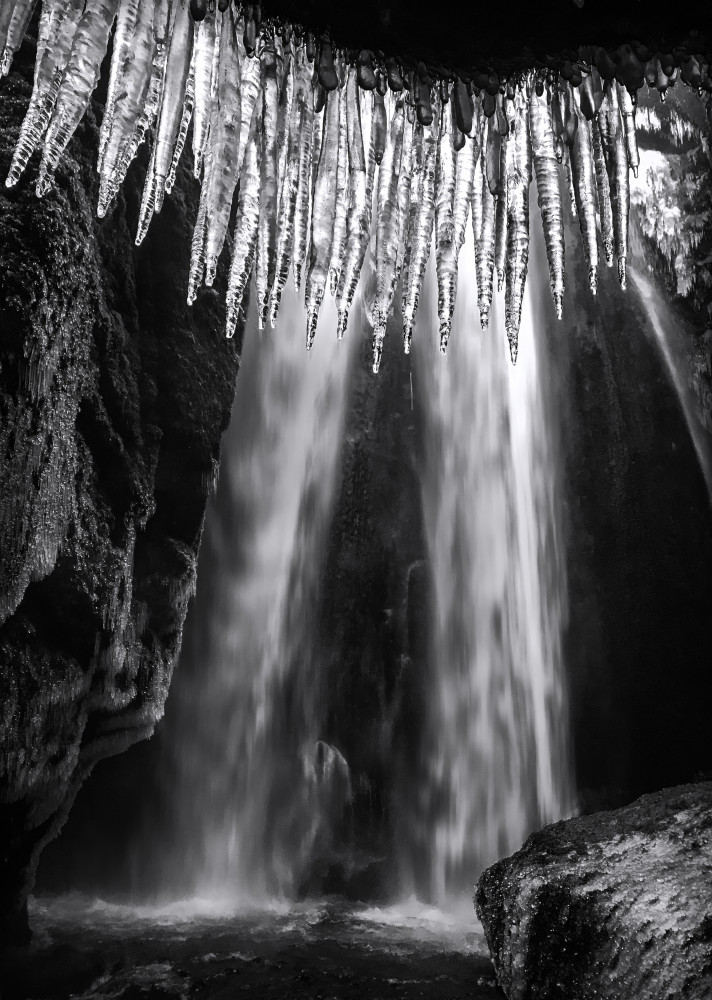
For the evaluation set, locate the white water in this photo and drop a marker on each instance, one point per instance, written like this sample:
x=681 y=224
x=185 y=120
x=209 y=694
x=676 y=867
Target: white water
x=669 y=342
x=254 y=788
x=259 y=796
x=496 y=761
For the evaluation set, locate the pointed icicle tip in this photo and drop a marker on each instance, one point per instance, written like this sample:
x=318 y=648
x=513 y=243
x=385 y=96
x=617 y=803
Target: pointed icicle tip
x=559 y=306
x=513 y=346
x=377 y=352
x=484 y=318
x=341 y=324
x=312 y=318
x=407 y=337
x=593 y=280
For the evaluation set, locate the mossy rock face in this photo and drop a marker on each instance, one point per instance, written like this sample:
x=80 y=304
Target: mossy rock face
x=113 y=398
x=613 y=905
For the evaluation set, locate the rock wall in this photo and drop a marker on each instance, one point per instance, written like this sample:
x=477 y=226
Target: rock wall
x=113 y=397
x=610 y=906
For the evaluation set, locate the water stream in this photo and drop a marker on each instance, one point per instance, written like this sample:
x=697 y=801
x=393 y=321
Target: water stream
x=670 y=342
x=253 y=785
x=496 y=761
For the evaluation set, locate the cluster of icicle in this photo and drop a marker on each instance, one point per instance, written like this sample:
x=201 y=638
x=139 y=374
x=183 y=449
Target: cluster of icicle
x=300 y=145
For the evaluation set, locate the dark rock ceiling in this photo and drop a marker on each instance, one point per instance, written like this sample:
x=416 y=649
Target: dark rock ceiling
x=500 y=34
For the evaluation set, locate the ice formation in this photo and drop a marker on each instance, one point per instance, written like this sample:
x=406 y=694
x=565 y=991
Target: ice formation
x=304 y=138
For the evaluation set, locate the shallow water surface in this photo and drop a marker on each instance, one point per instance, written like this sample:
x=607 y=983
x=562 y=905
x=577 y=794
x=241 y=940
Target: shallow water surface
x=85 y=948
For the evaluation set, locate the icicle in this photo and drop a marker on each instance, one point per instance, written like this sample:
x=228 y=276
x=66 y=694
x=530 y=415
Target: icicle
x=464 y=182
x=323 y=211
x=567 y=110
x=290 y=189
x=359 y=219
x=134 y=75
x=477 y=201
x=380 y=124
x=266 y=263
x=148 y=200
x=188 y=104
x=403 y=196
x=250 y=75
x=178 y=60
x=224 y=146
x=500 y=230
x=603 y=190
x=448 y=255
x=284 y=119
x=570 y=182
x=80 y=77
x=411 y=223
x=484 y=252
x=353 y=120
x=423 y=236
x=197 y=248
x=302 y=210
x=122 y=50
x=616 y=156
x=493 y=157
x=519 y=175
x=342 y=196
x=582 y=169
x=61 y=27
x=445 y=249
x=547 y=179
x=204 y=51
x=628 y=115
x=387 y=231
x=16 y=29
x=246 y=226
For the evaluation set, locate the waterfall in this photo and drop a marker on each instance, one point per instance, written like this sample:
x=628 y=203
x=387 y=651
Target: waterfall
x=672 y=347
x=253 y=785
x=495 y=755
x=261 y=797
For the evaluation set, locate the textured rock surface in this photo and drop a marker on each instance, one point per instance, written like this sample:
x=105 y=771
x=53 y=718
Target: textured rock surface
x=613 y=905
x=113 y=397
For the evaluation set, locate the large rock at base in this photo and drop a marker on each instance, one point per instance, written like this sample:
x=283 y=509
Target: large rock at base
x=613 y=905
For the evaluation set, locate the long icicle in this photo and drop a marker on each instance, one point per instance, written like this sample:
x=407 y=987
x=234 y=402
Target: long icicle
x=616 y=156
x=387 y=230
x=585 y=193
x=519 y=175
x=603 y=192
x=358 y=222
x=49 y=70
x=224 y=141
x=306 y=139
x=246 y=226
x=80 y=78
x=423 y=232
x=266 y=262
x=547 y=181
x=323 y=211
x=338 y=247
x=445 y=250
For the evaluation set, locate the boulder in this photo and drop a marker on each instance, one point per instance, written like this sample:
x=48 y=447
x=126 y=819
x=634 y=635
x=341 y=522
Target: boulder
x=612 y=906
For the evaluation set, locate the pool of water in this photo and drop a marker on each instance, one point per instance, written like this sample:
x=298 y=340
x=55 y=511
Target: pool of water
x=85 y=948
